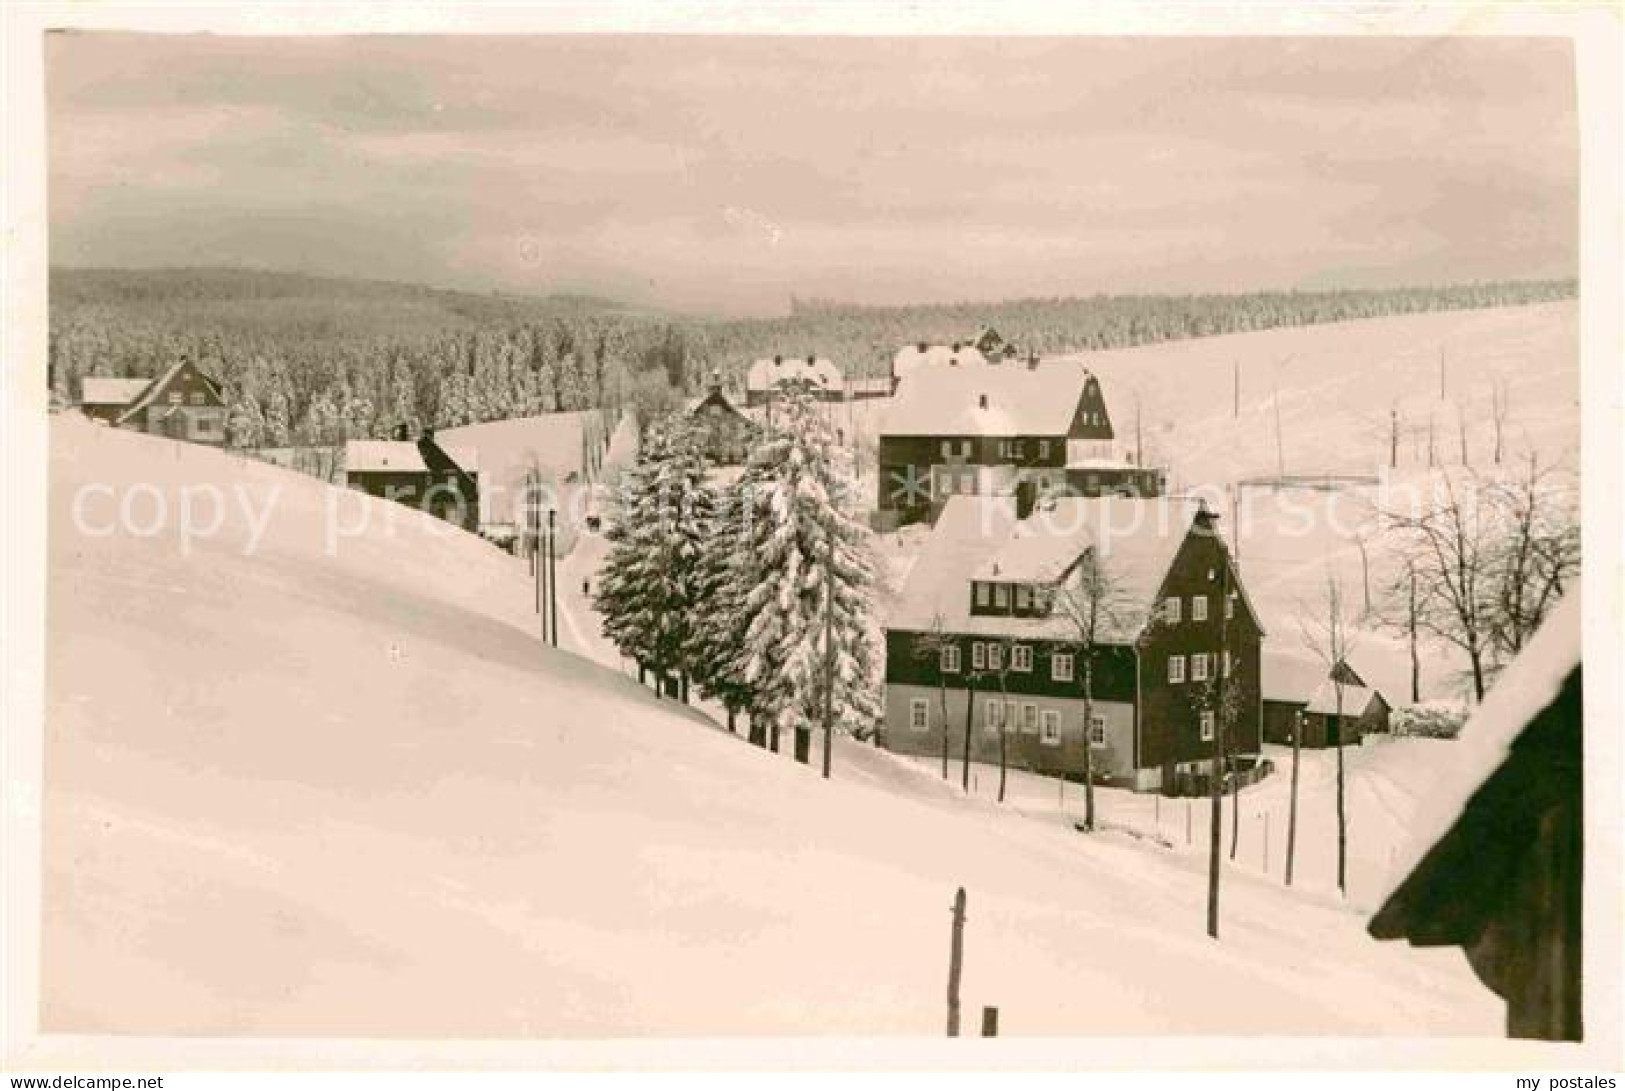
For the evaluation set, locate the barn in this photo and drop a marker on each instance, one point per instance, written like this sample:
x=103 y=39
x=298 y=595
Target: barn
x=1497 y=863
x=1300 y=695
x=444 y=482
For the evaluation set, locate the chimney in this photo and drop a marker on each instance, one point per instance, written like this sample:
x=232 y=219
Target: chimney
x=811 y=359
x=1032 y=361
x=777 y=359
x=401 y=433
x=981 y=400
x=919 y=346
x=716 y=381
x=1026 y=498
x=957 y=345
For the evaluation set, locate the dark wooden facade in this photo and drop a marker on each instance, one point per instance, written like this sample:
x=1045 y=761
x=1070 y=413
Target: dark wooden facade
x=183 y=403
x=728 y=432
x=442 y=488
x=1505 y=881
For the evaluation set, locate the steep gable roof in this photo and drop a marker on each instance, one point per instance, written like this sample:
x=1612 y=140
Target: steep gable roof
x=911 y=358
x=970 y=398
x=1295 y=676
x=400 y=456
x=1357 y=700
x=978 y=537
x=160 y=384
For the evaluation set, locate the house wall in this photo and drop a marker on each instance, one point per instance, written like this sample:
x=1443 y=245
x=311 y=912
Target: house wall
x=1280 y=717
x=186 y=407
x=448 y=502
x=1170 y=731
x=1043 y=455
x=1112 y=763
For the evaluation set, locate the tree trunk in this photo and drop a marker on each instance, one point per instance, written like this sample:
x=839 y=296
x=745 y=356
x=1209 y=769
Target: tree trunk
x=1410 y=622
x=1292 y=804
x=803 y=744
x=970 y=705
x=758 y=731
x=942 y=692
x=1088 y=735
x=1476 y=657
x=1342 y=812
x=1004 y=709
x=1215 y=833
x=1235 y=816
x=773 y=737
x=732 y=717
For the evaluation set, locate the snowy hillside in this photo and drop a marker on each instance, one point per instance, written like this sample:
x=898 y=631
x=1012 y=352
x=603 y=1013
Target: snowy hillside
x=301 y=791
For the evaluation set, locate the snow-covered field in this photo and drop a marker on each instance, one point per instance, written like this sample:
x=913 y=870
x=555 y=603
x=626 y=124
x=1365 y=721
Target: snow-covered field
x=300 y=792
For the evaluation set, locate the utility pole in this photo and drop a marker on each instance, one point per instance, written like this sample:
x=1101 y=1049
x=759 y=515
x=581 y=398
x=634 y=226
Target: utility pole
x=1235 y=372
x=1280 y=450
x=1216 y=781
x=552 y=579
x=829 y=654
x=1441 y=373
x=533 y=546
x=956 y=958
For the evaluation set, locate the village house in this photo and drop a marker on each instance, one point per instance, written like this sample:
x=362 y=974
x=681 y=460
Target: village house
x=182 y=403
x=558 y=455
x=1497 y=859
x=964 y=424
x=768 y=379
x=444 y=482
x=986 y=618
x=728 y=433
x=1300 y=697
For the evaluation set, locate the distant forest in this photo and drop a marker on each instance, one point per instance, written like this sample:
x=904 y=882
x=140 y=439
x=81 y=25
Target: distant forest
x=316 y=360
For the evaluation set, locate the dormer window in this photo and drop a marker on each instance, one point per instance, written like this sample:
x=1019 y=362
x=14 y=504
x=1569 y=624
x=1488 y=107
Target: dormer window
x=1024 y=597
x=1001 y=596
x=981 y=594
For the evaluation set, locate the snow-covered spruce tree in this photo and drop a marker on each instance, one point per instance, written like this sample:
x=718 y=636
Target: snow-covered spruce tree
x=648 y=591
x=715 y=653
x=811 y=572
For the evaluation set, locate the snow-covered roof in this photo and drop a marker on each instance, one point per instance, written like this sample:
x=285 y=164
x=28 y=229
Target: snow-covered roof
x=1357 y=700
x=772 y=371
x=105 y=390
x=401 y=456
x=1291 y=676
x=1136 y=540
x=912 y=357
x=1008 y=398
x=159 y=384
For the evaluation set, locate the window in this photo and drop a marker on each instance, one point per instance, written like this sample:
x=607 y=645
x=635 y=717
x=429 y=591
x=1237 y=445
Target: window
x=978 y=656
x=1060 y=667
x=1199 y=667
x=993 y=718
x=981 y=594
x=919 y=714
x=1176 y=668
x=1097 y=730
x=950 y=660
x=1024 y=597
x=1207 y=727
x=1029 y=718
x=1043 y=448
x=1049 y=731
x=995 y=657
x=1001 y=595
x=1227 y=662
x=1021 y=657
x=1198 y=607
x=1229 y=607
x=174 y=397
x=1170 y=609
x=947 y=448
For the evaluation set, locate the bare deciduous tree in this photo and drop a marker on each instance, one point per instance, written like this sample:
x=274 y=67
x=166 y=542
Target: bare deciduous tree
x=1092 y=604
x=1536 y=554
x=1329 y=637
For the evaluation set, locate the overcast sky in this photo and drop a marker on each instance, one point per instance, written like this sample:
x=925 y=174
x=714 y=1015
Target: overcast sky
x=725 y=174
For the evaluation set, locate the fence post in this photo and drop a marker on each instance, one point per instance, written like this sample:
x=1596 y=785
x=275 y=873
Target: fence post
x=990 y=1022
x=956 y=956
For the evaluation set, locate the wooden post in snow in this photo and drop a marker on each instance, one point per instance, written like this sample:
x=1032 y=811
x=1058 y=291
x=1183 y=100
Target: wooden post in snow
x=956 y=957
x=552 y=579
x=990 y=1022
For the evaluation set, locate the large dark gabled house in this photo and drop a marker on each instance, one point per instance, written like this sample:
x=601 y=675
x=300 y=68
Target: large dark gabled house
x=987 y=598
x=443 y=482
x=964 y=424
x=182 y=403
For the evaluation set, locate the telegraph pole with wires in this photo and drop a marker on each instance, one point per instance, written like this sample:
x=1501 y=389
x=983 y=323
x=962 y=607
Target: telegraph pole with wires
x=552 y=578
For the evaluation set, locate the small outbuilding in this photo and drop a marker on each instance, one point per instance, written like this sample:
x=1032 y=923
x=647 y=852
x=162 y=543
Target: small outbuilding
x=1300 y=698
x=1497 y=863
